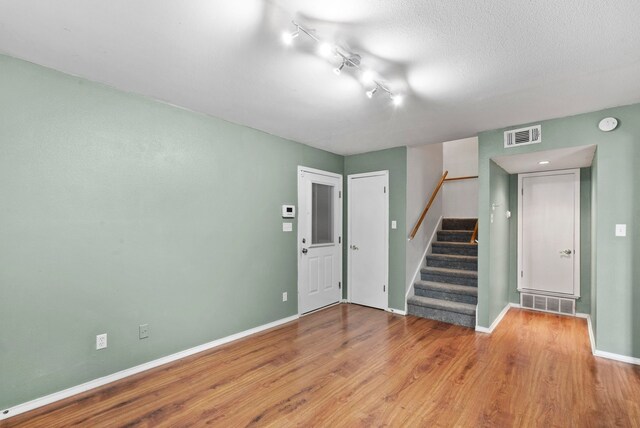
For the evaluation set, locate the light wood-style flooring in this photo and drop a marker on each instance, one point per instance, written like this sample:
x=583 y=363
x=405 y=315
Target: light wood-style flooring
x=354 y=366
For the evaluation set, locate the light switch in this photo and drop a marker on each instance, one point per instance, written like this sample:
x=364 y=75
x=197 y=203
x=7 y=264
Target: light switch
x=394 y=224
x=287 y=227
x=621 y=230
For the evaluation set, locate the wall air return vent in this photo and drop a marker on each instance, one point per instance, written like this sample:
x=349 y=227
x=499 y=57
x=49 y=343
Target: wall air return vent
x=557 y=305
x=523 y=136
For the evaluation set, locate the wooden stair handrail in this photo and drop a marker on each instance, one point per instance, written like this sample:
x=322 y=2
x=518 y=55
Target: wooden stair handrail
x=475 y=234
x=424 y=212
x=466 y=177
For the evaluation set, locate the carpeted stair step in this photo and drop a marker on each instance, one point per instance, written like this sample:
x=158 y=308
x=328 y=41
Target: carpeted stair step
x=459 y=223
x=455 y=235
x=442 y=310
x=449 y=276
x=452 y=261
x=459 y=248
x=450 y=292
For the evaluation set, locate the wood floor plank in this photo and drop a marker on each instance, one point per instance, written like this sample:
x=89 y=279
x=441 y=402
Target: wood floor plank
x=354 y=366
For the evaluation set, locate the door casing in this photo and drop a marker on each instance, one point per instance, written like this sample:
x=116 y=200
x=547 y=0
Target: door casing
x=350 y=178
x=301 y=232
x=576 y=232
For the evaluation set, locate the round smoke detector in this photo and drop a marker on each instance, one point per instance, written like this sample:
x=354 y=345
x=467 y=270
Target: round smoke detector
x=608 y=124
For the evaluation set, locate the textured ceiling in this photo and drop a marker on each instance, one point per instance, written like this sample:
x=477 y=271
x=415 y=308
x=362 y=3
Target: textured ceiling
x=465 y=66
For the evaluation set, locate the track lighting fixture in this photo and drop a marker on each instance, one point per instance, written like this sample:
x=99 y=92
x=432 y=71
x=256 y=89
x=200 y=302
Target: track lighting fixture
x=371 y=92
x=349 y=59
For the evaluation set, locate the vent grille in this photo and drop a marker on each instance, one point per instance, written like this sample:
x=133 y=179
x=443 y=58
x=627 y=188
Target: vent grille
x=557 y=305
x=523 y=136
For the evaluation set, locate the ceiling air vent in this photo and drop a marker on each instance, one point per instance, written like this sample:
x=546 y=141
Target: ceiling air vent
x=523 y=136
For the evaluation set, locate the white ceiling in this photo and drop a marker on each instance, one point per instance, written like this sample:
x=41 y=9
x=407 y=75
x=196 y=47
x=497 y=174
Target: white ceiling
x=566 y=158
x=465 y=66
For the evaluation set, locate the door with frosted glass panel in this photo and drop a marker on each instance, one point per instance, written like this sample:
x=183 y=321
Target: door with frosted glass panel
x=319 y=240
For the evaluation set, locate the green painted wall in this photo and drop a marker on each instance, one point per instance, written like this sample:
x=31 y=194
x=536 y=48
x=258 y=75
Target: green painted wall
x=117 y=211
x=494 y=298
x=615 y=293
x=395 y=161
x=583 y=304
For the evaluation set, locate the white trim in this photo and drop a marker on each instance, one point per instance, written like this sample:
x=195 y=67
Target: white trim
x=60 y=395
x=604 y=354
x=495 y=323
x=592 y=338
x=422 y=263
x=318 y=171
x=350 y=177
x=338 y=213
x=576 y=229
x=396 y=311
x=617 y=357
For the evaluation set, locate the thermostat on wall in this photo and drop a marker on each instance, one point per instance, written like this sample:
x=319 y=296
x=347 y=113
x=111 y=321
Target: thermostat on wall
x=288 y=211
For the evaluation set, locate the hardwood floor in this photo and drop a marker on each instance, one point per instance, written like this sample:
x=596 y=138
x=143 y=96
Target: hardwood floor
x=354 y=366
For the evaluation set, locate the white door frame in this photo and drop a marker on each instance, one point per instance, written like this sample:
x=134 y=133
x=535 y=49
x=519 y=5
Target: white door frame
x=384 y=173
x=338 y=225
x=576 y=232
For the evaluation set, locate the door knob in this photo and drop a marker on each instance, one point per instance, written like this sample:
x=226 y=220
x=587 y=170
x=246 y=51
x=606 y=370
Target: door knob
x=304 y=251
x=565 y=252
x=353 y=247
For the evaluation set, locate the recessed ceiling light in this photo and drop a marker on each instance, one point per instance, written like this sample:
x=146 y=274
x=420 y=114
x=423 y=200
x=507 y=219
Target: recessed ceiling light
x=544 y=163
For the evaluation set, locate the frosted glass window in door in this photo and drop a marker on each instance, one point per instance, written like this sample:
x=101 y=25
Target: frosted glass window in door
x=321 y=214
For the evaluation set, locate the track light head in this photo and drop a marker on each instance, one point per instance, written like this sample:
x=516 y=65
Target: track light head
x=371 y=92
x=325 y=49
x=338 y=70
x=368 y=77
x=287 y=38
x=396 y=100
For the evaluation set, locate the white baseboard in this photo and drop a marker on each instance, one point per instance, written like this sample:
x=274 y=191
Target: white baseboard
x=422 y=263
x=605 y=354
x=396 y=311
x=495 y=323
x=617 y=357
x=56 y=396
x=592 y=338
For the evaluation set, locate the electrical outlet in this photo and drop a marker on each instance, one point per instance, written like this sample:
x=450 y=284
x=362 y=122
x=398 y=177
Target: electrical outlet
x=101 y=341
x=143 y=330
x=284 y=296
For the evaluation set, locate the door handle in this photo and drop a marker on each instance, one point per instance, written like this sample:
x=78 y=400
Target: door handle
x=565 y=252
x=304 y=251
x=353 y=247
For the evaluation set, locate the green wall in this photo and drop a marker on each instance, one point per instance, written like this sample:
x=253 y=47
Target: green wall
x=583 y=304
x=615 y=291
x=395 y=161
x=494 y=298
x=118 y=211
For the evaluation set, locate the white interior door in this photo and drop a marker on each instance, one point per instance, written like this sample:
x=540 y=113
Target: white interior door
x=549 y=232
x=368 y=216
x=319 y=239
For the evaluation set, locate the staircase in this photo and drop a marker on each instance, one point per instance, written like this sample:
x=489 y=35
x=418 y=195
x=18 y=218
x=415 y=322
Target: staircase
x=448 y=289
